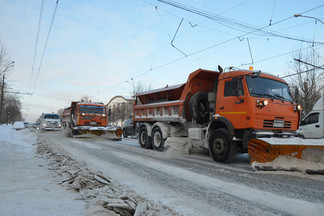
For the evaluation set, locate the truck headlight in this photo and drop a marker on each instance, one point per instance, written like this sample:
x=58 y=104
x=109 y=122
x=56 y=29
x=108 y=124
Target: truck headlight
x=298 y=107
x=262 y=103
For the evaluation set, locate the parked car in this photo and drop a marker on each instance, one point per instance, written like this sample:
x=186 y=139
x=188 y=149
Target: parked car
x=18 y=125
x=312 y=126
x=128 y=129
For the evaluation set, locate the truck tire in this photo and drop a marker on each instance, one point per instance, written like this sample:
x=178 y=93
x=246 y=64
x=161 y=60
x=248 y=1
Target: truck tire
x=68 y=130
x=221 y=146
x=125 y=134
x=143 y=138
x=199 y=108
x=157 y=139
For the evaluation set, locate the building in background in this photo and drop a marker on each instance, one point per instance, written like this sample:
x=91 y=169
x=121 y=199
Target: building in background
x=120 y=109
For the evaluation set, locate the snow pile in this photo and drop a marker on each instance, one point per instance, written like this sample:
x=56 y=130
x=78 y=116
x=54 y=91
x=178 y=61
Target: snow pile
x=10 y=139
x=183 y=146
x=312 y=162
x=26 y=186
x=103 y=196
x=293 y=141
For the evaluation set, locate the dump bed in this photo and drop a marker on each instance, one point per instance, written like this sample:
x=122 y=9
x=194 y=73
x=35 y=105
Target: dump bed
x=171 y=103
x=66 y=115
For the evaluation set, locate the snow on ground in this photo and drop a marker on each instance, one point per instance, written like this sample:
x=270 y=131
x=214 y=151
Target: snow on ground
x=26 y=185
x=59 y=185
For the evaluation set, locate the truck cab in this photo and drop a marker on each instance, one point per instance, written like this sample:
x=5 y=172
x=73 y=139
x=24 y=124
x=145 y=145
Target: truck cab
x=249 y=104
x=50 y=121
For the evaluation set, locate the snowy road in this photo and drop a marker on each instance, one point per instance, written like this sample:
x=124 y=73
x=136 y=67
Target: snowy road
x=194 y=184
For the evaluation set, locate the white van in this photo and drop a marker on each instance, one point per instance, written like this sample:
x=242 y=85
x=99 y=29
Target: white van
x=312 y=126
x=50 y=121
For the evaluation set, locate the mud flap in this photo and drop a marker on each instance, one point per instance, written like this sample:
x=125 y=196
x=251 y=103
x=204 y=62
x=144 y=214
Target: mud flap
x=277 y=154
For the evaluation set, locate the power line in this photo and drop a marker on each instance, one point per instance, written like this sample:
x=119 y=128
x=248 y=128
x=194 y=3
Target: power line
x=37 y=38
x=230 y=23
x=49 y=31
x=306 y=63
x=298 y=73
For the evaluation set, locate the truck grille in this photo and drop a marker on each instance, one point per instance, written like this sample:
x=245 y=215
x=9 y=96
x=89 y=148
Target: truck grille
x=273 y=123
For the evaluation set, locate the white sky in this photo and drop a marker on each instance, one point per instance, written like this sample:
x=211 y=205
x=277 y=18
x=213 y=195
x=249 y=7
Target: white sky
x=95 y=46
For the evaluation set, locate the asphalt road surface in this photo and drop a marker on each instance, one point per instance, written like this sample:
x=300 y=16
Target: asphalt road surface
x=195 y=184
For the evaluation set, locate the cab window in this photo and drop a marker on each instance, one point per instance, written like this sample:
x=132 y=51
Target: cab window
x=310 y=119
x=230 y=88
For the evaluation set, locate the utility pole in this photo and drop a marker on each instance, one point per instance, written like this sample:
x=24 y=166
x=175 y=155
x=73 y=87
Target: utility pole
x=2 y=96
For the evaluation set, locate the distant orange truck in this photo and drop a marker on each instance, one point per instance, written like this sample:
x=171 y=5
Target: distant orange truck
x=217 y=110
x=86 y=119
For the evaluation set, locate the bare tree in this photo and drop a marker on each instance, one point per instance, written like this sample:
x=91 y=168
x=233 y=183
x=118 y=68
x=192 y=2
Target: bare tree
x=60 y=111
x=12 y=109
x=14 y=114
x=142 y=88
x=307 y=83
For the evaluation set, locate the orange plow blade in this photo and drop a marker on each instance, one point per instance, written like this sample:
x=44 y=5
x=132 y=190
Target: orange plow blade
x=279 y=154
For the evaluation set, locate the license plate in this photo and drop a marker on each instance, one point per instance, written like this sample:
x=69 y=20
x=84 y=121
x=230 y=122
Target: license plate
x=278 y=123
x=93 y=123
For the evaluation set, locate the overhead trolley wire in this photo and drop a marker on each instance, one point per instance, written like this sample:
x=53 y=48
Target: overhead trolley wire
x=36 y=45
x=41 y=61
x=254 y=29
x=249 y=29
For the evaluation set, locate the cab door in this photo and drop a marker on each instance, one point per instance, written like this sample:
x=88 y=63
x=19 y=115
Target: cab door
x=231 y=101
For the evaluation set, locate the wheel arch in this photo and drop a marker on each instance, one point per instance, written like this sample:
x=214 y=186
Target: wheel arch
x=147 y=126
x=219 y=122
x=165 y=129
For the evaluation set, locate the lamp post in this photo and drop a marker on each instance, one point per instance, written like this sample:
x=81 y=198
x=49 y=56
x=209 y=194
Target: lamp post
x=299 y=15
x=133 y=84
x=6 y=68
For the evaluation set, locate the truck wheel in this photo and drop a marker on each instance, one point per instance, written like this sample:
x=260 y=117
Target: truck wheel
x=199 y=108
x=157 y=139
x=221 y=147
x=143 y=139
x=125 y=134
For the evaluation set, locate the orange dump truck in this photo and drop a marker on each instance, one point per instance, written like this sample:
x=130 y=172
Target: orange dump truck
x=219 y=111
x=85 y=119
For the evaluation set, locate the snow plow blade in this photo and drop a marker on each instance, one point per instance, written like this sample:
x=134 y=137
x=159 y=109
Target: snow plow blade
x=291 y=154
x=103 y=132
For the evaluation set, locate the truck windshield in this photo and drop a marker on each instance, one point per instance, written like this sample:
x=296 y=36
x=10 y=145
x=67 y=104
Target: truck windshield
x=269 y=88
x=51 y=116
x=92 y=109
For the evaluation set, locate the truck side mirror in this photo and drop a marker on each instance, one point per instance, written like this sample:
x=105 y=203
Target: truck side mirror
x=109 y=112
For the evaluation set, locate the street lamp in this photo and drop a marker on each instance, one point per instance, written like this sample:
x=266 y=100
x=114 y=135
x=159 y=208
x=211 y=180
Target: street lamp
x=10 y=65
x=133 y=84
x=299 y=15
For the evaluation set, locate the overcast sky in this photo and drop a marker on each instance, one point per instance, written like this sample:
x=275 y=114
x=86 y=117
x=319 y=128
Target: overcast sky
x=94 y=47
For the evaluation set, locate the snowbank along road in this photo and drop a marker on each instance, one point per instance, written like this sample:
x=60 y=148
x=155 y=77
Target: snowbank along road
x=194 y=184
